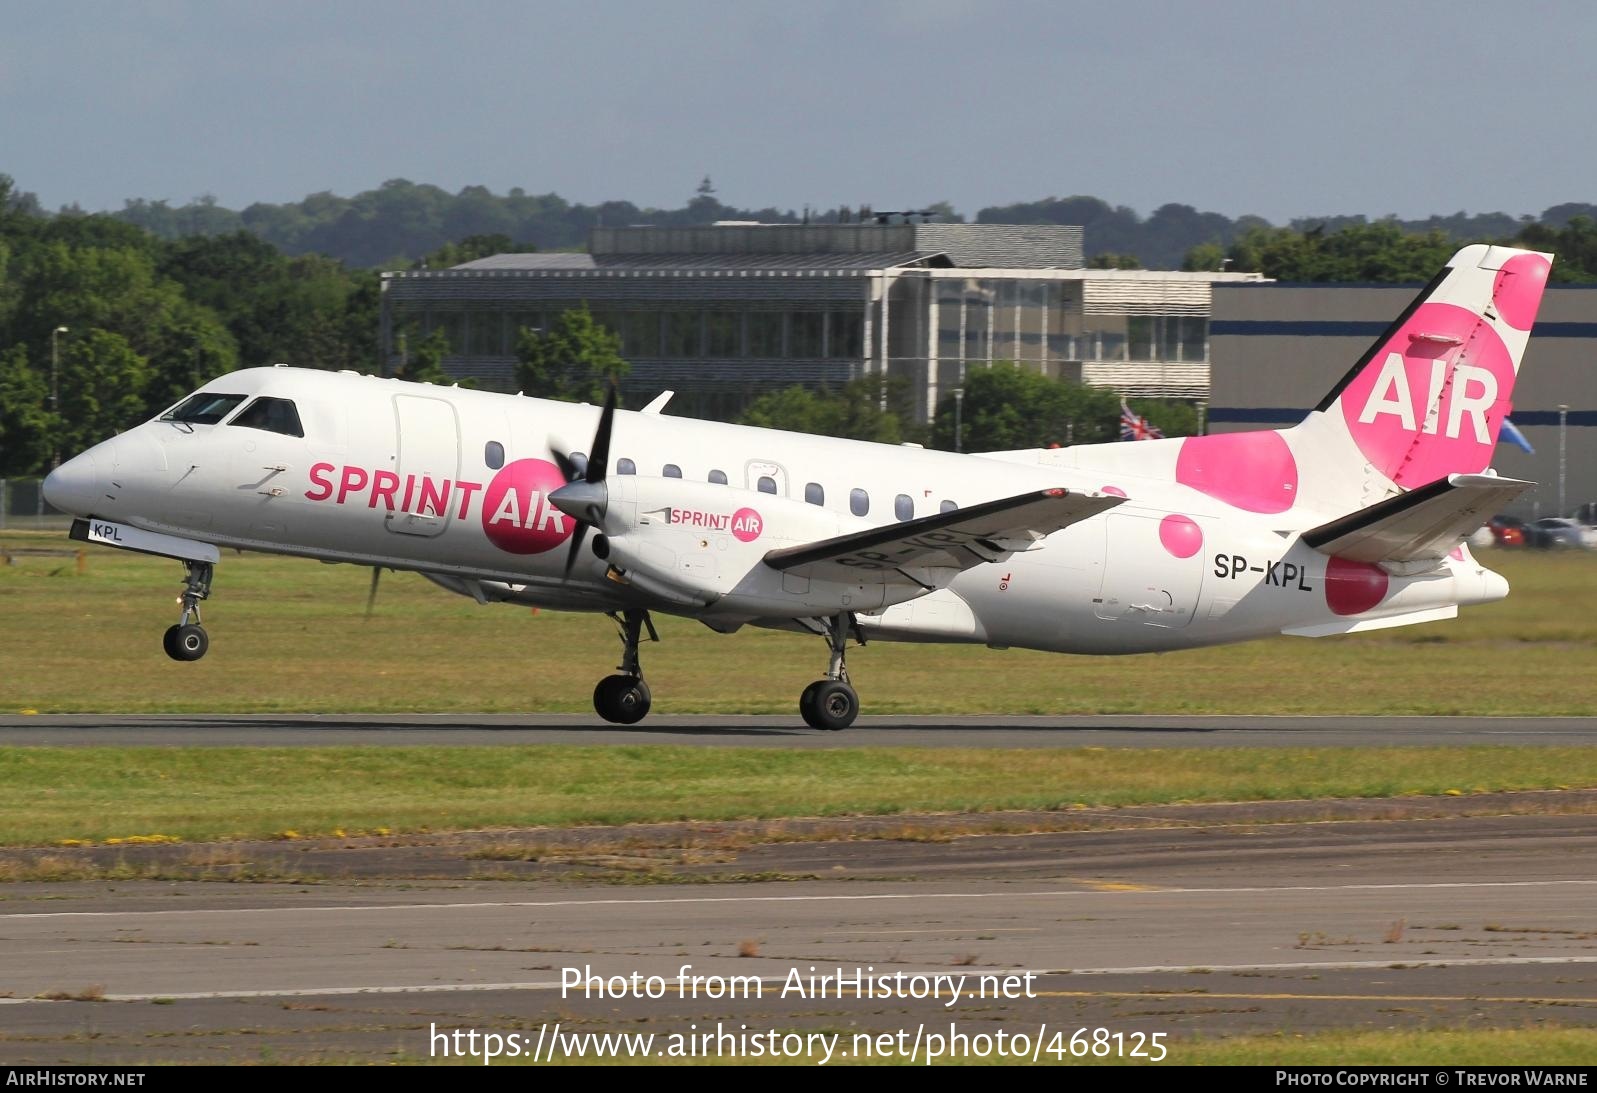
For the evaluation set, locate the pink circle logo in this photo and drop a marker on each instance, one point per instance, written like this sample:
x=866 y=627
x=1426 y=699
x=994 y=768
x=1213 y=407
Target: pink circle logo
x=1432 y=398
x=1518 y=289
x=516 y=514
x=1251 y=471
x=1180 y=535
x=747 y=525
x=1352 y=588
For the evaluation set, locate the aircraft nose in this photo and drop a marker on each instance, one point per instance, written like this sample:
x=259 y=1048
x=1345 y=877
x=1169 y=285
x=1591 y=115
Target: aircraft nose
x=74 y=486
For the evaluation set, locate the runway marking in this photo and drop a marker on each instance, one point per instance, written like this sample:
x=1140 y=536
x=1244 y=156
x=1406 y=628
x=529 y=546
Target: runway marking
x=552 y=985
x=833 y=898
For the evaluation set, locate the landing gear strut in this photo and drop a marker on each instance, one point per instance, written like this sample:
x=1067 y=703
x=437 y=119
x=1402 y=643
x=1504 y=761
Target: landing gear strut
x=186 y=640
x=624 y=698
x=831 y=703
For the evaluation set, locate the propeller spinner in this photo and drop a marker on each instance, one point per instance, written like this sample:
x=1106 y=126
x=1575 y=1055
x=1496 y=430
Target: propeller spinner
x=585 y=497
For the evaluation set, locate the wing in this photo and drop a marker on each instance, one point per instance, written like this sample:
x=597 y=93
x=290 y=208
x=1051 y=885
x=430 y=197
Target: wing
x=1421 y=525
x=931 y=550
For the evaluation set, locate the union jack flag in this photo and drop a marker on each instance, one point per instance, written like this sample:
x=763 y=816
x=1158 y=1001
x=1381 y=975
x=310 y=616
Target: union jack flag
x=1133 y=426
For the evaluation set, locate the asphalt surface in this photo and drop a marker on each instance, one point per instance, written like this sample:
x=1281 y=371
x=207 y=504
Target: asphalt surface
x=790 y=731
x=1180 y=930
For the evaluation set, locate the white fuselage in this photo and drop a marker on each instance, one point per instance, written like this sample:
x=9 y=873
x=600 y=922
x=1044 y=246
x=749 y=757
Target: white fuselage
x=398 y=475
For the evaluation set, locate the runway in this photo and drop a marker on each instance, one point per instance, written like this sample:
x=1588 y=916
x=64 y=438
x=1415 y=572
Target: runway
x=1182 y=931
x=777 y=730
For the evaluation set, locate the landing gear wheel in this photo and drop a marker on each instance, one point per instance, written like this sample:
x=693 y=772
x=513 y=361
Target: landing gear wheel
x=833 y=704
x=807 y=703
x=186 y=642
x=622 y=700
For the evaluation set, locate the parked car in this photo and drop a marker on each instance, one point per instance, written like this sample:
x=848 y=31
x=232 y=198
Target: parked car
x=1560 y=533
x=1507 y=531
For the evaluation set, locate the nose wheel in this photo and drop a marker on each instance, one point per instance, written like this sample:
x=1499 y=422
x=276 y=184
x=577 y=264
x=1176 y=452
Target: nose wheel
x=624 y=699
x=831 y=703
x=186 y=640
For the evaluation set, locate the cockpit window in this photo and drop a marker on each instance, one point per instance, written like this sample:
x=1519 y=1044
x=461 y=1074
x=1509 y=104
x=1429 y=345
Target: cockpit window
x=275 y=415
x=205 y=408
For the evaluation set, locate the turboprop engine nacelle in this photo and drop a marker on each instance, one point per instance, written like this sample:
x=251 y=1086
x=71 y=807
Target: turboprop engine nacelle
x=701 y=544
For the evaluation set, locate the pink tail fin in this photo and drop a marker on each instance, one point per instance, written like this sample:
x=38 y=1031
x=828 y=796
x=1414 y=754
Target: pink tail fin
x=1427 y=400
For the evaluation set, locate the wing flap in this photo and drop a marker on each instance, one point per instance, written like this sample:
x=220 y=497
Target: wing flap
x=1422 y=525
x=929 y=551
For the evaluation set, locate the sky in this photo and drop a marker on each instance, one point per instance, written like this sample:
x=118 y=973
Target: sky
x=1280 y=108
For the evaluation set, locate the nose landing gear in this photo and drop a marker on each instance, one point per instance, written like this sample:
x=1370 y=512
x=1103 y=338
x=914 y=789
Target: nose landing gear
x=624 y=699
x=186 y=640
x=831 y=703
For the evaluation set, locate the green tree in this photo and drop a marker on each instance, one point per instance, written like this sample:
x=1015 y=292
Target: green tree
x=1110 y=260
x=1382 y=252
x=1007 y=408
x=471 y=248
x=575 y=359
x=1574 y=246
x=102 y=383
x=427 y=353
x=1204 y=258
x=1172 y=417
x=855 y=411
x=188 y=347
x=25 y=419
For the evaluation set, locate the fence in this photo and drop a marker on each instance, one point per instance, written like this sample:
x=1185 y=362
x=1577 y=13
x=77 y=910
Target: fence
x=23 y=507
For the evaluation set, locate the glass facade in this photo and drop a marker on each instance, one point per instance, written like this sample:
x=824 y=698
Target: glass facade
x=721 y=341
x=976 y=321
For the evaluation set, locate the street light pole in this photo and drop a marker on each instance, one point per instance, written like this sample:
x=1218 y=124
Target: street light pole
x=959 y=419
x=55 y=393
x=1563 y=450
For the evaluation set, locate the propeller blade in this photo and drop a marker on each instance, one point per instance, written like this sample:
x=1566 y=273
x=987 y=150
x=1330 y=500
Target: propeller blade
x=599 y=457
x=577 y=535
x=584 y=497
x=568 y=469
x=371 y=597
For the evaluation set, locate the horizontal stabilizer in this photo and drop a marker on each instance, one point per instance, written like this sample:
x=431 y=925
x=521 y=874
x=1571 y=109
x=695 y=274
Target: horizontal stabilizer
x=950 y=541
x=1421 y=525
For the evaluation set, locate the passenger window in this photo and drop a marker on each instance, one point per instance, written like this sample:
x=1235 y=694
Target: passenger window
x=579 y=463
x=903 y=507
x=671 y=470
x=766 y=484
x=718 y=477
x=859 y=502
x=948 y=506
x=814 y=494
x=205 y=408
x=626 y=466
x=494 y=455
x=274 y=415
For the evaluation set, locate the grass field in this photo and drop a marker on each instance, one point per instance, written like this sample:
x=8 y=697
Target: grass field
x=289 y=635
x=204 y=794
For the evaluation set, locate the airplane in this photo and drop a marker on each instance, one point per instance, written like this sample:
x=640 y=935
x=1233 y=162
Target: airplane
x=1353 y=520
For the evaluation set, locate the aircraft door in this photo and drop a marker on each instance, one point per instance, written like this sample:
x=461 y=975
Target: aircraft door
x=427 y=463
x=1153 y=570
x=766 y=477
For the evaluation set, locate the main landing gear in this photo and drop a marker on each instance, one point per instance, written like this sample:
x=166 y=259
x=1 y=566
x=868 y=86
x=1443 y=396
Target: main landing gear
x=624 y=699
x=186 y=640
x=831 y=703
